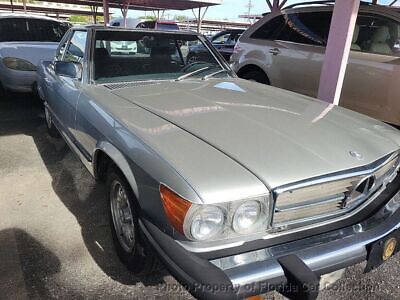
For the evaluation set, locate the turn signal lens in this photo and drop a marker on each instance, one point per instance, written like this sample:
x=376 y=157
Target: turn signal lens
x=175 y=207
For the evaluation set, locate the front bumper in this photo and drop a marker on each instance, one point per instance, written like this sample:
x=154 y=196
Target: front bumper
x=17 y=81
x=231 y=277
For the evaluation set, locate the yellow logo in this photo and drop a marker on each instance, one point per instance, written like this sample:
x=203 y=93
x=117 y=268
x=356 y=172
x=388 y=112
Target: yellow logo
x=388 y=248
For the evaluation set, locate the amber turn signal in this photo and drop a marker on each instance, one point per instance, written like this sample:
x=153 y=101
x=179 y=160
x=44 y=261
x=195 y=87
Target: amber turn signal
x=175 y=207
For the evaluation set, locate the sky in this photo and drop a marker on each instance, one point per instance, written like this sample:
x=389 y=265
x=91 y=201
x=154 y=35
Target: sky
x=230 y=9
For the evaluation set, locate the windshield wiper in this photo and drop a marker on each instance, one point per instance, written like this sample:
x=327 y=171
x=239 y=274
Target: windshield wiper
x=192 y=73
x=213 y=74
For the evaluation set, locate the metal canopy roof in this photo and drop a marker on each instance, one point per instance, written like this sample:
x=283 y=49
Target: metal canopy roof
x=146 y=4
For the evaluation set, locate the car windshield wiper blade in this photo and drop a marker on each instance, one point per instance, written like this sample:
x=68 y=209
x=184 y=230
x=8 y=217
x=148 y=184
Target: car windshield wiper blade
x=192 y=73
x=213 y=74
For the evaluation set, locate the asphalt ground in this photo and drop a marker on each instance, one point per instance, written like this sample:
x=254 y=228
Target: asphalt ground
x=55 y=241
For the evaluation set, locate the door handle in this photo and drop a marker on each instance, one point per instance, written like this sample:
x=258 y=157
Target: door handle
x=274 y=51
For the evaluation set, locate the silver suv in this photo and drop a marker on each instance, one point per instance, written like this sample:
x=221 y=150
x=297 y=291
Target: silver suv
x=286 y=50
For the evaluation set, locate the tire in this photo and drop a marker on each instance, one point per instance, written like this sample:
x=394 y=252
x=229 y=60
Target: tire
x=51 y=129
x=257 y=76
x=131 y=246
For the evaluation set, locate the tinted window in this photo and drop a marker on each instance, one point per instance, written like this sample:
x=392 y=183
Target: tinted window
x=377 y=34
x=268 y=30
x=306 y=28
x=32 y=30
x=76 y=48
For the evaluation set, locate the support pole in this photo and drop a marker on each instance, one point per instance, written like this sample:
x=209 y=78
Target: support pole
x=275 y=6
x=106 y=12
x=199 y=21
x=12 y=6
x=24 y=3
x=338 y=50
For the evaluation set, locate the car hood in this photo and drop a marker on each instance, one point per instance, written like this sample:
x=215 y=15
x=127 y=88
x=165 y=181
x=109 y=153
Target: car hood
x=280 y=136
x=33 y=52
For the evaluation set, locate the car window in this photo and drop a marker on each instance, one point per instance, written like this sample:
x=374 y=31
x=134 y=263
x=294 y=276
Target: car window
x=158 y=56
x=31 y=30
x=377 y=34
x=306 y=28
x=269 y=30
x=221 y=39
x=61 y=50
x=76 y=48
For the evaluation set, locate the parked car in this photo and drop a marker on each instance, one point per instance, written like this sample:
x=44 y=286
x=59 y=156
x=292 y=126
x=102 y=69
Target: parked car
x=223 y=41
x=24 y=41
x=287 y=50
x=237 y=187
x=141 y=23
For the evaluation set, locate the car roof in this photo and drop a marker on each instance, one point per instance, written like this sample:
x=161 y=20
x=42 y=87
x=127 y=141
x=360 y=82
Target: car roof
x=98 y=27
x=329 y=6
x=29 y=16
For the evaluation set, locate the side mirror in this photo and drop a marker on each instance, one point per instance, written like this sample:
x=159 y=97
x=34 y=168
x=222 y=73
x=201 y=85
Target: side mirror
x=68 y=69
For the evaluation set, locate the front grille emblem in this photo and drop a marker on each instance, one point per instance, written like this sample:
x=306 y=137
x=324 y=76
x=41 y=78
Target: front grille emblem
x=356 y=155
x=360 y=192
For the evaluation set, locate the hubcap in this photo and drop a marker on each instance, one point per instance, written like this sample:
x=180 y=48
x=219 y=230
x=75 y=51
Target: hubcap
x=122 y=216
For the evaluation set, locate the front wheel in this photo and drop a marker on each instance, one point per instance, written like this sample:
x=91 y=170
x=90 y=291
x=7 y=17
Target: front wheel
x=129 y=242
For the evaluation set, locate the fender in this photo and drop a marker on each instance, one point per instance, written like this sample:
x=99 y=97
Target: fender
x=121 y=162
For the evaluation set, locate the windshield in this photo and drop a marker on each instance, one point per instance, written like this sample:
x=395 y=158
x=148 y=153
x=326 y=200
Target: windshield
x=121 y=56
x=31 y=30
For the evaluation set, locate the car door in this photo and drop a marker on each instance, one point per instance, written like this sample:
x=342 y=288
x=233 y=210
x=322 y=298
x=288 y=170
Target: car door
x=299 y=50
x=66 y=91
x=371 y=81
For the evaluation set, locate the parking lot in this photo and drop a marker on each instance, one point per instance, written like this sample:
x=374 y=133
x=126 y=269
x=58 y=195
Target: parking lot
x=54 y=235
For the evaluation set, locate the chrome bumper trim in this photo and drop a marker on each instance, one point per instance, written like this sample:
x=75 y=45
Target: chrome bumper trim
x=322 y=253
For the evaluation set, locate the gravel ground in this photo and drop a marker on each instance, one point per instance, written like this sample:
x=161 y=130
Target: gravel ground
x=55 y=241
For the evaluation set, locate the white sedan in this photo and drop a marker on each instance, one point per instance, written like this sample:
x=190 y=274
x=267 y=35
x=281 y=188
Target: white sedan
x=25 y=40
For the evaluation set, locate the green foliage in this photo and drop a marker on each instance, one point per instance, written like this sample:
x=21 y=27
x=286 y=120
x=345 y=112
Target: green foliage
x=84 y=19
x=150 y=18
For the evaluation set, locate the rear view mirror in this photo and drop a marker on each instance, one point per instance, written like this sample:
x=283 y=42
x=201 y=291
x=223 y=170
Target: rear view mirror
x=68 y=69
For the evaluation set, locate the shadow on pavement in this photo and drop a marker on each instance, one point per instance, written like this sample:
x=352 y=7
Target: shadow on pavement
x=25 y=266
x=72 y=183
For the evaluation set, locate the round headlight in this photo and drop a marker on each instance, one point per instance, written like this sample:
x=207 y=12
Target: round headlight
x=207 y=222
x=246 y=216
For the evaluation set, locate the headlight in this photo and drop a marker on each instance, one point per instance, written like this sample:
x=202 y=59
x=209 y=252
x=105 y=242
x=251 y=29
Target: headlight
x=206 y=223
x=246 y=216
x=18 y=64
x=220 y=221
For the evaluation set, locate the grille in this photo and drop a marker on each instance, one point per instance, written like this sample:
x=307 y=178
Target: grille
x=309 y=203
x=122 y=85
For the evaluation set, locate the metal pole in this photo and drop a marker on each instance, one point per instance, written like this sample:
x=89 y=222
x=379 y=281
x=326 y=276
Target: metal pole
x=338 y=50
x=275 y=6
x=199 y=21
x=24 y=3
x=106 y=12
x=12 y=6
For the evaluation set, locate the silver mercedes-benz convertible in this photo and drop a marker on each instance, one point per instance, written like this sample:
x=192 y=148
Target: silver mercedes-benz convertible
x=239 y=188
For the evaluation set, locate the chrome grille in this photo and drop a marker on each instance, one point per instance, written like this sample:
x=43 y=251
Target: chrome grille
x=325 y=199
